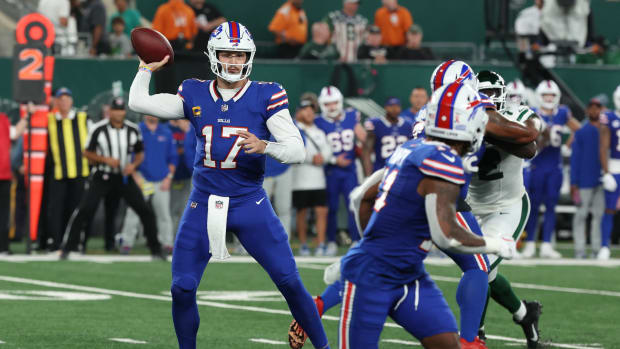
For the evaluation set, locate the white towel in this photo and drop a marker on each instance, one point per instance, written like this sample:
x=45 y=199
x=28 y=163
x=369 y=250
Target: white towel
x=217 y=215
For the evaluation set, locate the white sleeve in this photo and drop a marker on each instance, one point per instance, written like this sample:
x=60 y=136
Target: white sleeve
x=326 y=149
x=289 y=147
x=161 y=105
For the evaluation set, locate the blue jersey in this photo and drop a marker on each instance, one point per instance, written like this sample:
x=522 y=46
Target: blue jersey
x=409 y=115
x=341 y=134
x=398 y=235
x=388 y=136
x=550 y=156
x=220 y=166
x=612 y=120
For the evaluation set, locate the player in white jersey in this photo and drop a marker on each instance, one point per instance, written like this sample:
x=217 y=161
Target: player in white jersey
x=498 y=198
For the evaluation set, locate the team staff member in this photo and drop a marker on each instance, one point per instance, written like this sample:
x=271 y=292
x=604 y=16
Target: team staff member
x=67 y=131
x=156 y=172
x=110 y=146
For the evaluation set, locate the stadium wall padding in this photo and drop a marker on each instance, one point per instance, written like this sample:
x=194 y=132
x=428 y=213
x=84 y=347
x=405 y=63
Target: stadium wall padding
x=89 y=77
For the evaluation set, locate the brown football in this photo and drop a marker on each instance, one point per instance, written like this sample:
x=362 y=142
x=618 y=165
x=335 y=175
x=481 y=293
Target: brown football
x=151 y=45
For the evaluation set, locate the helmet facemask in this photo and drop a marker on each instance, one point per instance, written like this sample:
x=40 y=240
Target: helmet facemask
x=220 y=68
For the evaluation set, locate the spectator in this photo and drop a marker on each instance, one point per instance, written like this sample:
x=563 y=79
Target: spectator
x=177 y=22
x=527 y=26
x=67 y=131
x=290 y=26
x=585 y=179
x=208 y=17
x=94 y=22
x=309 y=179
x=8 y=133
x=418 y=98
x=182 y=133
x=372 y=48
x=130 y=16
x=413 y=49
x=120 y=45
x=348 y=28
x=154 y=176
x=319 y=47
x=565 y=20
x=110 y=145
x=394 y=21
x=59 y=13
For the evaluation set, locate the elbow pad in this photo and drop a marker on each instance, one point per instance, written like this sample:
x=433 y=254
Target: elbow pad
x=357 y=194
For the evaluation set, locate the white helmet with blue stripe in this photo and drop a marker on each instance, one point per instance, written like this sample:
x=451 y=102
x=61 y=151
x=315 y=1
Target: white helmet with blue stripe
x=329 y=95
x=549 y=94
x=455 y=112
x=231 y=36
x=453 y=71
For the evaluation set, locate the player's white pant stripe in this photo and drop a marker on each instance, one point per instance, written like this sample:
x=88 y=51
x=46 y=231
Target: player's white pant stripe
x=346 y=314
x=416 y=299
x=481 y=262
x=402 y=299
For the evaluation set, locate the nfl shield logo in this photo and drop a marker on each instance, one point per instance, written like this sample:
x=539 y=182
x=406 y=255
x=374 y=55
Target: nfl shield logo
x=193 y=204
x=224 y=107
x=219 y=204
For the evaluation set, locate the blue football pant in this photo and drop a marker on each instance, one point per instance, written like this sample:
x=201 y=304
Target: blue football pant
x=611 y=201
x=418 y=307
x=472 y=289
x=261 y=233
x=339 y=182
x=544 y=189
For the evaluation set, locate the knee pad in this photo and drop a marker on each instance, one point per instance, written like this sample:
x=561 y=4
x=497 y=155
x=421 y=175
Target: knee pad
x=183 y=287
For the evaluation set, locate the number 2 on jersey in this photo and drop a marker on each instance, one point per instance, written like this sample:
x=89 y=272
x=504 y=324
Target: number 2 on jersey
x=388 y=181
x=227 y=132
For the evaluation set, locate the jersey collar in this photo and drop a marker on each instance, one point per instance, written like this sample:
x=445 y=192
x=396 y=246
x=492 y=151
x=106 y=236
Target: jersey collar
x=216 y=95
x=387 y=122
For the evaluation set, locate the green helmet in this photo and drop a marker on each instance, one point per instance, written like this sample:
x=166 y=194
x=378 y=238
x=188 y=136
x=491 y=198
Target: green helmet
x=493 y=85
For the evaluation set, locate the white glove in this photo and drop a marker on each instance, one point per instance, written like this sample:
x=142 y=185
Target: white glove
x=332 y=273
x=609 y=182
x=468 y=164
x=503 y=247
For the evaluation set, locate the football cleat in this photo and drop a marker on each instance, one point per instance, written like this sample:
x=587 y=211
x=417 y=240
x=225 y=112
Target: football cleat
x=603 y=254
x=481 y=334
x=297 y=337
x=529 y=323
x=547 y=251
x=529 y=250
x=477 y=343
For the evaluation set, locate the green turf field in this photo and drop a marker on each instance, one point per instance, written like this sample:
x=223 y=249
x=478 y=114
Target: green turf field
x=132 y=303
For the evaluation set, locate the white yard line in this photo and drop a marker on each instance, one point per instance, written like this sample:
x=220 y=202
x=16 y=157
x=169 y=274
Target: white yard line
x=267 y=341
x=400 y=341
x=222 y=305
x=127 y=340
x=314 y=261
x=541 y=287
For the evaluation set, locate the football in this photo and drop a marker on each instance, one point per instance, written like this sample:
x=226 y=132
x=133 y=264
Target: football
x=151 y=45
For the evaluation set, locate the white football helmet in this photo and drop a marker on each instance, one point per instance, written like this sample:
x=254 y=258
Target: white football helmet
x=617 y=98
x=549 y=87
x=515 y=93
x=231 y=36
x=328 y=95
x=451 y=71
x=455 y=112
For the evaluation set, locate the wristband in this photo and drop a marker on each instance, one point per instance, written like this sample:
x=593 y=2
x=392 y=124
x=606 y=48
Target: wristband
x=145 y=68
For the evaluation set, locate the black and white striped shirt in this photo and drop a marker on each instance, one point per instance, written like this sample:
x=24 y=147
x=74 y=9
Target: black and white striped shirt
x=117 y=143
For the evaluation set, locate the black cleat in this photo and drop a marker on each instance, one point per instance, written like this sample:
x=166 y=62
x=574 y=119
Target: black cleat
x=530 y=323
x=481 y=334
x=159 y=256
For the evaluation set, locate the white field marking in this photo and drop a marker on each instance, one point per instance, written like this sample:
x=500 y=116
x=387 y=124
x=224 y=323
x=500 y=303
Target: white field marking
x=267 y=341
x=400 y=341
x=557 y=345
x=127 y=340
x=541 y=287
x=241 y=296
x=211 y=304
x=313 y=261
x=1 y=342
x=51 y=296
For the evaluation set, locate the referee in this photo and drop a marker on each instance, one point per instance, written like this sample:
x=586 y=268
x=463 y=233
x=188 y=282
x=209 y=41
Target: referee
x=110 y=146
